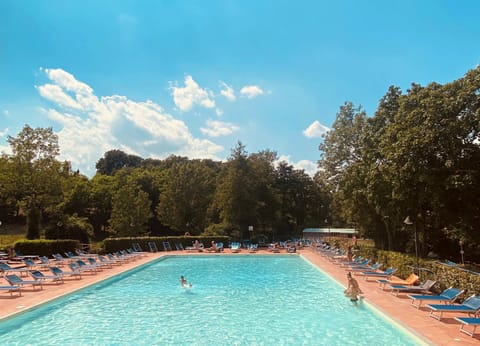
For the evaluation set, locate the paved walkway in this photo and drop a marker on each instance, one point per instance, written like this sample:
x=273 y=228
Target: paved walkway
x=445 y=332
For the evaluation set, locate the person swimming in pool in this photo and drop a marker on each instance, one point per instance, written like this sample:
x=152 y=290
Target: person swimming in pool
x=184 y=283
x=353 y=290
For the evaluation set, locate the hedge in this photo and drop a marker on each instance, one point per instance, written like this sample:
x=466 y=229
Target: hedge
x=44 y=247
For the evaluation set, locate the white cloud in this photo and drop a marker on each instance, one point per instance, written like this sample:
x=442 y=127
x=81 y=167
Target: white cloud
x=6 y=112
x=315 y=130
x=56 y=94
x=185 y=98
x=218 y=128
x=251 y=91
x=228 y=91
x=97 y=125
x=308 y=166
x=4 y=149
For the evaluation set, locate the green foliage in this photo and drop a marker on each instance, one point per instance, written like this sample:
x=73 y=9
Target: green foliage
x=71 y=227
x=114 y=160
x=417 y=156
x=187 y=192
x=130 y=210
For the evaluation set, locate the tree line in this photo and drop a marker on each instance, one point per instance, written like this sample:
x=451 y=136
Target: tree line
x=407 y=177
x=411 y=169
x=133 y=196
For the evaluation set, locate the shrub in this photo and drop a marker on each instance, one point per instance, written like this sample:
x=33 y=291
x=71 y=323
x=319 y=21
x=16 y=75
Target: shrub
x=43 y=247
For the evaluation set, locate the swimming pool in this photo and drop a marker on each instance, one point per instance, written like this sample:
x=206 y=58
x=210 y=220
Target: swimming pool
x=235 y=300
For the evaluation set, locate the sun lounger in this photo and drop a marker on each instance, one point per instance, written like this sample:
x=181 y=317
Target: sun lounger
x=76 y=267
x=60 y=260
x=235 y=247
x=87 y=267
x=364 y=262
x=167 y=246
x=11 y=290
x=62 y=273
x=423 y=288
x=365 y=268
x=138 y=249
x=118 y=258
x=93 y=262
x=7 y=269
x=468 y=321
x=385 y=274
x=412 y=278
x=38 y=275
x=448 y=296
x=32 y=265
x=470 y=306
x=357 y=260
x=152 y=246
x=15 y=280
x=108 y=262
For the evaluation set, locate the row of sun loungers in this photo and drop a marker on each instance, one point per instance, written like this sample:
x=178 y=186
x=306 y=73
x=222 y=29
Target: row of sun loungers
x=59 y=268
x=437 y=305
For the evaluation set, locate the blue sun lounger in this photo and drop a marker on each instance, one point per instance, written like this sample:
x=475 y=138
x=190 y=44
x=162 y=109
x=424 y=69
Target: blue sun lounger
x=7 y=269
x=468 y=321
x=448 y=296
x=385 y=274
x=470 y=306
x=38 y=275
x=423 y=288
x=11 y=289
x=15 y=280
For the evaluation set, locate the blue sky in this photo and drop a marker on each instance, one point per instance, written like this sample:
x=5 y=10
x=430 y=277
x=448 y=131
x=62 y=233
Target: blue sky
x=192 y=78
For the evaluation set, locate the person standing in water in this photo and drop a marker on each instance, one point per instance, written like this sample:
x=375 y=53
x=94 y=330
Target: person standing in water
x=353 y=289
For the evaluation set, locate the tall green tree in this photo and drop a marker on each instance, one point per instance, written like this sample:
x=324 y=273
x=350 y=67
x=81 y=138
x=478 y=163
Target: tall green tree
x=130 y=210
x=186 y=196
x=37 y=182
x=235 y=195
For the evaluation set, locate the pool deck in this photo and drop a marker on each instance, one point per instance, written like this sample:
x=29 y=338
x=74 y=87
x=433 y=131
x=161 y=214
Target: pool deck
x=432 y=331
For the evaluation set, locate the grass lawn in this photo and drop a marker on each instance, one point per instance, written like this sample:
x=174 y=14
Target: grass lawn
x=9 y=234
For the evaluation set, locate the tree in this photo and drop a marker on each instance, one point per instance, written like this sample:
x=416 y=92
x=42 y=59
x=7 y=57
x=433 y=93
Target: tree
x=114 y=160
x=186 y=195
x=130 y=210
x=234 y=195
x=37 y=182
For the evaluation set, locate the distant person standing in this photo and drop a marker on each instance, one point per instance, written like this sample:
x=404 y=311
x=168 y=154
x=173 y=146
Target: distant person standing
x=353 y=290
x=350 y=253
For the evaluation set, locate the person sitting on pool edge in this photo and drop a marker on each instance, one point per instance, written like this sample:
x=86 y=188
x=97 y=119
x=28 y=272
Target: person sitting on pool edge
x=353 y=289
x=213 y=248
x=184 y=282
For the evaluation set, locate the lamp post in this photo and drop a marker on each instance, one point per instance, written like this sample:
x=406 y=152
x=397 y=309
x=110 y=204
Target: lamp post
x=326 y=223
x=409 y=222
x=461 y=250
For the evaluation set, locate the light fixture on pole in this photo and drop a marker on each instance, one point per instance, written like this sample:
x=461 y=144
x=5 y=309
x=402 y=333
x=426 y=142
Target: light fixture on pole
x=409 y=222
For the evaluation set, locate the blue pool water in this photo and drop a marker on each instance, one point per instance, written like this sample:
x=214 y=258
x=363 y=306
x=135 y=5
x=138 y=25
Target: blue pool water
x=235 y=300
